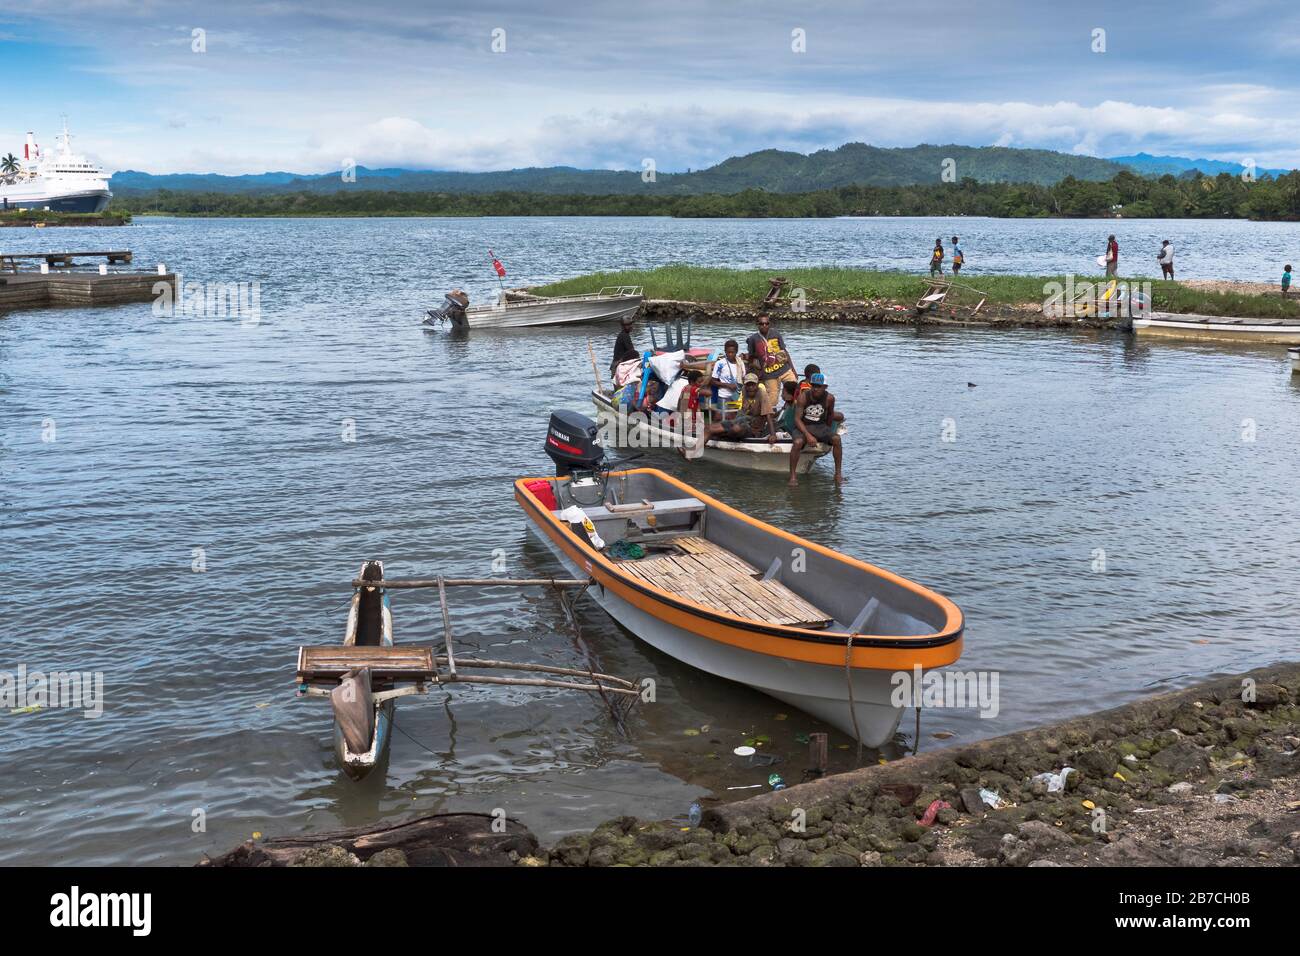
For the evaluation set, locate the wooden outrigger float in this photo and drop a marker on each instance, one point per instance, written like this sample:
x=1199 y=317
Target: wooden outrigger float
x=364 y=676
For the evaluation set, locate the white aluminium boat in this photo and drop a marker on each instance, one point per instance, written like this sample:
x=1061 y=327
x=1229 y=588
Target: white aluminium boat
x=515 y=311
x=632 y=430
x=1294 y=355
x=719 y=590
x=1217 y=327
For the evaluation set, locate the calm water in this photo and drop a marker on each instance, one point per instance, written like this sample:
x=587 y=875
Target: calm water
x=186 y=433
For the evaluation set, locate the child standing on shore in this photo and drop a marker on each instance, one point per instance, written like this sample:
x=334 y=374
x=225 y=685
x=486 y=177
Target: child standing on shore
x=1286 y=280
x=936 y=259
x=958 y=257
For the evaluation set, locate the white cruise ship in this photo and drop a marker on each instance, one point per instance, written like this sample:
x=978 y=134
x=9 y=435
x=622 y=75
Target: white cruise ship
x=64 y=182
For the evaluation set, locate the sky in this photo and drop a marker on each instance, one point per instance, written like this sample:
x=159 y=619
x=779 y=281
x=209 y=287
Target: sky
x=502 y=84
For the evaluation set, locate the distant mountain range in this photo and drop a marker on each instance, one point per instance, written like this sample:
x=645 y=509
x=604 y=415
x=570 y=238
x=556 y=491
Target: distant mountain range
x=1149 y=165
x=770 y=169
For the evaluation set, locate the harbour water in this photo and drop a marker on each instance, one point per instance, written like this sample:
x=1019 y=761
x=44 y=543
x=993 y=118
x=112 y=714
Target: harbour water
x=1113 y=516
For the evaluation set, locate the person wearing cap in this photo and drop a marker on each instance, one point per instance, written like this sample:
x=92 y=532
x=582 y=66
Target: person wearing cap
x=754 y=420
x=769 y=358
x=623 y=347
x=813 y=419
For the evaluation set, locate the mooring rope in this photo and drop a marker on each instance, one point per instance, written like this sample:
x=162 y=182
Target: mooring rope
x=848 y=678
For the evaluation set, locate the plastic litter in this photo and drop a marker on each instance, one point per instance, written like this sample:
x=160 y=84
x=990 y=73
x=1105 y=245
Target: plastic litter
x=1055 y=781
x=695 y=815
x=774 y=781
x=992 y=799
x=932 y=811
x=745 y=751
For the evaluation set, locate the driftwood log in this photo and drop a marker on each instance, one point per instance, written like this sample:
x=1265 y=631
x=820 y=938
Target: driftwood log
x=440 y=839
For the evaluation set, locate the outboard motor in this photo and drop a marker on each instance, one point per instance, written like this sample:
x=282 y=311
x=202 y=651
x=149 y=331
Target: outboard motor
x=571 y=442
x=453 y=309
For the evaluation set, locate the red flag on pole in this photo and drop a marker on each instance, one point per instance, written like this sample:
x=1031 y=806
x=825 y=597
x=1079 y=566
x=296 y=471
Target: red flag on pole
x=496 y=264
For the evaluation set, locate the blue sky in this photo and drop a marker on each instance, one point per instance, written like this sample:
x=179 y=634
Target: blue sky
x=304 y=86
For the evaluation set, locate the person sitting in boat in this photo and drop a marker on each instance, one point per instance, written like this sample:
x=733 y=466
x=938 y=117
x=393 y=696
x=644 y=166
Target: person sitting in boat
x=814 y=411
x=727 y=375
x=785 y=418
x=809 y=371
x=753 y=420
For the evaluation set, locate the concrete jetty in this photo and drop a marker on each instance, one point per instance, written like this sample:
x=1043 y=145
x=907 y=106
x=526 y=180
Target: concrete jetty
x=63 y=285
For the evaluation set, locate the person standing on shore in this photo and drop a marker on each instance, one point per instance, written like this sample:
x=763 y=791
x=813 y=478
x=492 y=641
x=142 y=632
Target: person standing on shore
x=1112 y=256
x=936 y=259
x=769 y=359
x=1166 y=259
x=958 y=257
x=1286 y=279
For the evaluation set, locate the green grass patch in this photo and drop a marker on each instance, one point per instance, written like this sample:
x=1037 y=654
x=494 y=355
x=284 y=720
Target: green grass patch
x=823 y=283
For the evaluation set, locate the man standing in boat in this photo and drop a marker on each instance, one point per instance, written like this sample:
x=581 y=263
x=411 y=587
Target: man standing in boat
x=813 y=417
x=769 y=359
x=623 y=347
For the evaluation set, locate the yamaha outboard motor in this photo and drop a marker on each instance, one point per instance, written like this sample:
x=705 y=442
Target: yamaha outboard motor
x=571 y=443
x=453 y=309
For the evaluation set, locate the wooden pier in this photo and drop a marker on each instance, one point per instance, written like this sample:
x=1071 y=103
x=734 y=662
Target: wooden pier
x=64 y=284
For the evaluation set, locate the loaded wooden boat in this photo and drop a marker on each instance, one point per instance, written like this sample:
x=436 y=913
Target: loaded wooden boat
x=514 y=310
x=1217 y=327
x=733 y=596
x=622 y=429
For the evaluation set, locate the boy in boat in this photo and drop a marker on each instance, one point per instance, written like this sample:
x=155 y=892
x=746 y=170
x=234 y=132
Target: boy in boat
x=814 y=411
x=727 y=375
x=754 y=420
x=936 y=259
x=769 y=359
x=789 y=395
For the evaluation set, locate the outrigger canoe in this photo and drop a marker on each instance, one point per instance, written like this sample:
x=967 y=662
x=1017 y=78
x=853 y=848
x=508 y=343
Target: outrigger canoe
x=362 y=727
x=738 y=598
x=636 y=430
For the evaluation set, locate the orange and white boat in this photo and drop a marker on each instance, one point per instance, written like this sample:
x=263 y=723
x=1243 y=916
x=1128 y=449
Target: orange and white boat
x=733 y=596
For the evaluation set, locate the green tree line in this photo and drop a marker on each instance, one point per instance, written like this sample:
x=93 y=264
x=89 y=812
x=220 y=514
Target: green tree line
x=1195 y=196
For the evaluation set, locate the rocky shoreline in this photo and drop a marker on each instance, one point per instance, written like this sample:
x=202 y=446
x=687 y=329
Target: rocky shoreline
x=876 y=312
x=1195 y=777
x=1206 y=776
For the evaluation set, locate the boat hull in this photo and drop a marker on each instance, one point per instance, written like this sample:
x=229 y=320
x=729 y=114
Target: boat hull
x=358 y=765
x=817 y=689
x=751 y=456
x=1217 y=328
x=900 y=626
x=1294 y=355
x=519 y=315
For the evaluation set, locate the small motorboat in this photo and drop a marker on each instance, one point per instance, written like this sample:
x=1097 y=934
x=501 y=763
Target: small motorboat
x=1217 y=327
x=1294 y=355
x=517 y=310
x=633 y=430
x=740 y=599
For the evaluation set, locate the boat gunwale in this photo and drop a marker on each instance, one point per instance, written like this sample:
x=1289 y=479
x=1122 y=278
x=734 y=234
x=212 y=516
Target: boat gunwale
x=954 y=625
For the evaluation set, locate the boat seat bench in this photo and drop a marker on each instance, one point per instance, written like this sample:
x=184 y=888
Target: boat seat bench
x=657 y=508
x=707 y=573
x=330 y=663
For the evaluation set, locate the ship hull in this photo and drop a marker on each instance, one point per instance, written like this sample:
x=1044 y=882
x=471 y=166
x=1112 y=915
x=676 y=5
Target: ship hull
x=88 y=202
